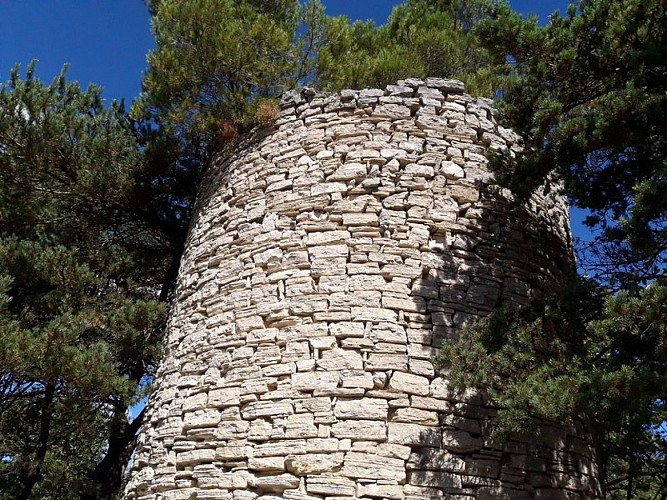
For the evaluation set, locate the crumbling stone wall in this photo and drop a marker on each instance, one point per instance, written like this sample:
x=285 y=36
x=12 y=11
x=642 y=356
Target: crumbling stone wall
x=328 y=260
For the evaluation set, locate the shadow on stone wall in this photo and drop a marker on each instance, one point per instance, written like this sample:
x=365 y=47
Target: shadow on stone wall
x=509 y=255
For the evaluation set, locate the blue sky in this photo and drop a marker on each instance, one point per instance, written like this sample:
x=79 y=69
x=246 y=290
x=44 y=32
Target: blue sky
x=106 y=41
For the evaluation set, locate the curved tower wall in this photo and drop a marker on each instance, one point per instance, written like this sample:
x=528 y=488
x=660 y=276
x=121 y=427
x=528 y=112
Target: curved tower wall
x=327 y=261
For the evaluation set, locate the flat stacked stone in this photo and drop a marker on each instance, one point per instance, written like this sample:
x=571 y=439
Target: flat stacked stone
x=328 y=260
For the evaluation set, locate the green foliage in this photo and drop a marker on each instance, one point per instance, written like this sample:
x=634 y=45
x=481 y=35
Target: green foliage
x=214 y=58
x=588 y=92
x=421 y=38
x=571 y=356
x=80 y=274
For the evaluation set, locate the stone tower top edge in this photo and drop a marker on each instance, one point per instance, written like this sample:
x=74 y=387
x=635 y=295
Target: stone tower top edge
x=401 y=88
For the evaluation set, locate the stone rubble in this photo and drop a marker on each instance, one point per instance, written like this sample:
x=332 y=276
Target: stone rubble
x=328 y=260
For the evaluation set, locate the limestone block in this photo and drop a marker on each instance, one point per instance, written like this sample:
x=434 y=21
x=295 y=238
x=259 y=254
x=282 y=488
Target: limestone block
x=280 y=448
x=357 y=378
x=375 y=314
x=422 y=367
x=415 y=416
x=392 y=450
x=388 y=332
x=435 y=479
x=327 y=237
x=193 y=457
x=391 y=112
x=389 y=218
x=267 y=464
x=463 y=193
x=364 y=282
x=368 y=466
x=300 y=425
x=360 y=429
x=328 y=251
x=352 y=219
x=309 y=381
x=276 y=483
x=261 y=336
x=197 y=401
x=302 y=332
x=412 y=492
x=378 y=362
x=409 y=383
x=340 y=359
x=214 y=494
x=180 y=494
x=428 y=403
x=330 y=485
x=233 y=451
x=348 y=172
x=414 y=434
x=401 y=271
x=368 y=299
x=312 y=405
x=412 y=304
x=270 y=256
x=435 y=459
x=481 y=467
x=361 y=409
x=232 y=429
x=201 y=418
x=323 y=445
x=266 y=409
x=314 y=463
x=249 y=323
x=375 y=490
x=451 y=170
x=460 y=441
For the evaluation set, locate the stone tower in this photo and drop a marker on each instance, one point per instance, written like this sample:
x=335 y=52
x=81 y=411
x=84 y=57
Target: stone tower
x=327 y=261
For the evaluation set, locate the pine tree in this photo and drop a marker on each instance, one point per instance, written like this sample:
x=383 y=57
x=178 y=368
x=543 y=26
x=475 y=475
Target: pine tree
x=82 y=268
x=588 y=92
x=420 y=39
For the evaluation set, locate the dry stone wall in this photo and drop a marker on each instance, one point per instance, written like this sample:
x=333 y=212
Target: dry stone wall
x=328 y=260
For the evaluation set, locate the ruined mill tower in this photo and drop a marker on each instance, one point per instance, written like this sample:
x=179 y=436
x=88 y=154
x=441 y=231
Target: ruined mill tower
x=328 y=259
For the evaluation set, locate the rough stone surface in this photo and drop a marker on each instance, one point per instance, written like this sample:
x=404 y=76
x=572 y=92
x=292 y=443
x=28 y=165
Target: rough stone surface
x=328 y=259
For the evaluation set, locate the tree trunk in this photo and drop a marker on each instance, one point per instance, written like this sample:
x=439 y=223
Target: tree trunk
x=108 y=474
x=35 y=471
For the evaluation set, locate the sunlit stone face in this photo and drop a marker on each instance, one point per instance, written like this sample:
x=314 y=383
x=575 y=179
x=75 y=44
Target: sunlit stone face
x=328 y=260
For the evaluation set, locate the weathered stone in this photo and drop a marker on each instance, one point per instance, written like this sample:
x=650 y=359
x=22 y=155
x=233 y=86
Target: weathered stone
x=363 y=429
x=280 y=448
x=266 y=408
x=267 y=464
x=330 y=486
x=415 y=416
x=328 y=259
x=340 y=359
x=414 y=434
x=374 y=490
x=314 y=463
x=367 y=466
x=309 y=381
x=274 y=483
x=300 y=425
x=460 y=441
x=192 y=457
x=409 y=383
x=348 y=172
x=361 y=409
